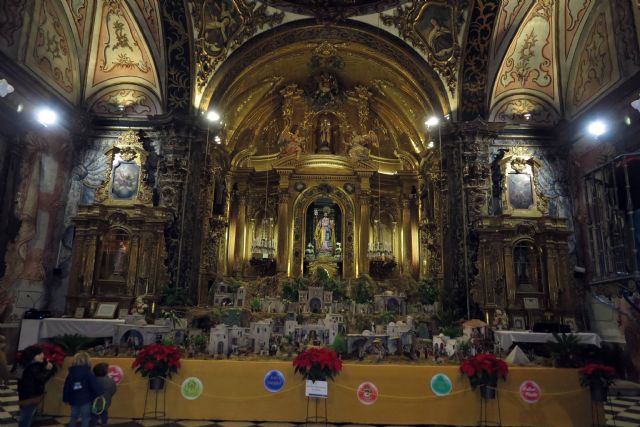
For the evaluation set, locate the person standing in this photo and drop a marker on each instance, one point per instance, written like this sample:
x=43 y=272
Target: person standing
x=31 y=384
x=80 y=388
x=109 y=389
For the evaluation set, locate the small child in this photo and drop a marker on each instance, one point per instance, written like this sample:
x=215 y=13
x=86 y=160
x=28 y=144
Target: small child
x=80 y=388
x=109 y=387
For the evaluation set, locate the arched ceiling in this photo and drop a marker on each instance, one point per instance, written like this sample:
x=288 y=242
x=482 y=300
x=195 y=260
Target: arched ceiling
x=379 y=87
x=532 y=62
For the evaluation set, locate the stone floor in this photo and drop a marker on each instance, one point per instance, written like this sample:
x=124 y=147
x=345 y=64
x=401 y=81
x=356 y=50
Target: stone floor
x=620 y=412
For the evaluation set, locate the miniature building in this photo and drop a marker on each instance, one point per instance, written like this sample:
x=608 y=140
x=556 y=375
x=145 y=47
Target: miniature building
x=324 y=332
x=225 y=339
x=260 y=335
x=390 y=302
x=228 y=296
x=315 y=300
x=272 y=305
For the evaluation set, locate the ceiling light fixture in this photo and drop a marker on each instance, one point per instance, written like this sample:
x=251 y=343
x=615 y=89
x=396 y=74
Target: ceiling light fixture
x=432 y=121
x=213 y=116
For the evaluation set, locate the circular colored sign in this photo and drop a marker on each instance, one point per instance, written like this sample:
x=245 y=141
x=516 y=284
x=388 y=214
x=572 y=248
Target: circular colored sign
x=191 y=388
x=274 y=381
x=367 y=393
x=441 y=385
x=116 y=373
x=530 y=392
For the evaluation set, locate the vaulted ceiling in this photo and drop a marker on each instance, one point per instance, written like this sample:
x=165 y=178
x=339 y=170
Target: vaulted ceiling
x=518 y=61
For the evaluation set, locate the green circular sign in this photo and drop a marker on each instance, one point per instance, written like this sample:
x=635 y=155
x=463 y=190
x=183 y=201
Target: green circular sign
x=191 y=388
x=441 y=385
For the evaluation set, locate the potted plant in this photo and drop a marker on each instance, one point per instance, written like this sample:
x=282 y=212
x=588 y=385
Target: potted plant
x=317 y=365
x=158 y=362
x=598 y=378
x=484 y=370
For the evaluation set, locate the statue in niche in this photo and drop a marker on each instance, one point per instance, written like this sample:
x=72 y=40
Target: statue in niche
x=325 y=136
x=360 y=145
x=291 y=141
x=324 y=91
x=114 y=263
x=324 y=235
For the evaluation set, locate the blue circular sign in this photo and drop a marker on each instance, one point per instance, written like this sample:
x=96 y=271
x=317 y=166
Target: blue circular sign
x=274 y=381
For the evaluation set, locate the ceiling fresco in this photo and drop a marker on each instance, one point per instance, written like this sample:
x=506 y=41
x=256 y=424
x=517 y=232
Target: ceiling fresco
x=519 y=61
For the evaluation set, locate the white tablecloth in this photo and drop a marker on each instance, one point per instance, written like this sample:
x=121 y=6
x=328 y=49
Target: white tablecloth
x=506 y=338
x=34 y=330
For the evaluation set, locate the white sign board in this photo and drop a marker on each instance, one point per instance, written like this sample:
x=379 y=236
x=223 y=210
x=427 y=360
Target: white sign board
x=316 y=389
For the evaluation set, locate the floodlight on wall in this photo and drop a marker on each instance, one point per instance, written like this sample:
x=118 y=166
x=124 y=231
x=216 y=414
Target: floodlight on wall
x=213 y=116
x=597 y=128
x=46 y=116
x=432 y=121
x=431 y=144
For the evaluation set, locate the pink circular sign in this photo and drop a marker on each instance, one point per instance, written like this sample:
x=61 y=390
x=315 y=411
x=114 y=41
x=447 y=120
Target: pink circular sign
x=530 y=391
x=367 y=393
x=116 y=373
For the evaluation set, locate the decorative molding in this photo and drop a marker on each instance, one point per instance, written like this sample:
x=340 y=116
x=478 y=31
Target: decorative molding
x=574 y=13
x=524 y=110
x=78 y=9
x=150 y=15
x=11 y=19
x=126 y=102
x=222 y=25
x=175 y=25
x=473 y=91
x=434 y=28
x=509 y=11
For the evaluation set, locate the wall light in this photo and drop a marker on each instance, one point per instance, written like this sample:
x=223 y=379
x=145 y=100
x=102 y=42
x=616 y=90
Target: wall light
x=597 y=128
x=432 y=121
x=213 y=116
x=431 y=144
x=46 y=117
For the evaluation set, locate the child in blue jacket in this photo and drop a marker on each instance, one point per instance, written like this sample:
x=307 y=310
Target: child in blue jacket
x=80 y=389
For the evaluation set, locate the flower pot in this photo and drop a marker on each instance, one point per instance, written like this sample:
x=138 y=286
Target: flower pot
x=598 y=392
x=156 y=383
x=487 y=392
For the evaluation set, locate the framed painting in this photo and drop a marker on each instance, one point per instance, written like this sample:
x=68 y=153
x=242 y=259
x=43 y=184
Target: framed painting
x=79 y=313
x=518 y=323
x=520 y=191
x=126 y=176
x=571 y=323
x=531 y=303
x=106 y=310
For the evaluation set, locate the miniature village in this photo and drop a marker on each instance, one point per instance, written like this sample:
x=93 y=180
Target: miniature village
x=362 y=320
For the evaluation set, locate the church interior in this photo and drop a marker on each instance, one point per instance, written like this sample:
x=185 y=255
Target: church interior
x=368 y=174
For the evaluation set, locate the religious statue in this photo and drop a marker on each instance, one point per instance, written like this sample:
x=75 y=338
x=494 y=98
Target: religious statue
x=291 y=141
x=324 y=235
x=119 y=259
x=325 y=136
x=325 y=90
x=360 y=145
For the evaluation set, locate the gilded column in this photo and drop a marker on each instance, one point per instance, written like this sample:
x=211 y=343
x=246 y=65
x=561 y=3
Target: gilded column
x=510 y=284
x=282 y=260
x=406 y=236
x=238 y=258
x=363 y=241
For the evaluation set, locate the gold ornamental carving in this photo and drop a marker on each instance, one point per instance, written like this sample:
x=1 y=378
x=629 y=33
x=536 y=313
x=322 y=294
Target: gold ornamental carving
x=222 y=25
x=124 y=182
x=433 y=27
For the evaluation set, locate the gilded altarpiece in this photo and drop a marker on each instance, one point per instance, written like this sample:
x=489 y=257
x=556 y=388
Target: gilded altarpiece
x=523 y=251
x=119 y=249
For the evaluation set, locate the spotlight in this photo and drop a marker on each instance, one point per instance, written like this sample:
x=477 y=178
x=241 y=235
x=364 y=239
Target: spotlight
x=217 y=140
x=46 y=117
x=432 y=121
x=430 y=144
x=597 y=128
x=527 y=116
x=213 y=116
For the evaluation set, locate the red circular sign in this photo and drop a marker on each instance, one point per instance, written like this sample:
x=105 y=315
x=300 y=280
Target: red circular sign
x=116 y=373
x=367 y=393
x=530 y=391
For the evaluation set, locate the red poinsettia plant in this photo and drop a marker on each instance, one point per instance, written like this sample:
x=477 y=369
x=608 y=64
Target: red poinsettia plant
x=597 y=375
x=318 y=364
x=53 y=353
x=484 y=369
x=157 y=361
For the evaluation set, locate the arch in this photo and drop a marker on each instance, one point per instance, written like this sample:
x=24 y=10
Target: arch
x=300 y=207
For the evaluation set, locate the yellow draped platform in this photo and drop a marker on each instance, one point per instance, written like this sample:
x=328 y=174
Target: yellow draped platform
x=234 y=390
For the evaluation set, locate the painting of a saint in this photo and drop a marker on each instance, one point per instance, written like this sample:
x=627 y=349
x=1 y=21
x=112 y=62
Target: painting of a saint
x=434 y=24
x=220 y=23
x=520 y=190
x=125 y=181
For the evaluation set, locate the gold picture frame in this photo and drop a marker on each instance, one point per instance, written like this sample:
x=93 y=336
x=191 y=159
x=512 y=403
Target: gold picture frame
x=106 y=310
